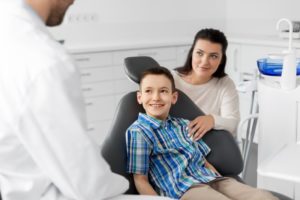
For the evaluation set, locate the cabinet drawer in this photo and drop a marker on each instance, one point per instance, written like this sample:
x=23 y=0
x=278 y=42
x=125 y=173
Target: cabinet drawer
x=100 y=108
x=119 y=72
x=98 y=89
x=170 y=64
x=98 y=130
x=158 y=54
x=125 y=86
x=96 y=74
x=181 y=54
x=93 y=59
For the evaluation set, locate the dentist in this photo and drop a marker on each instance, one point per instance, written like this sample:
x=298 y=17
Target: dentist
x=45 y=153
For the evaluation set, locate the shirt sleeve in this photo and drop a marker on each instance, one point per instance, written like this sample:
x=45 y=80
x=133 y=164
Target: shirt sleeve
x=52 y=129
x=203 y=147
x=229 y=109
x=138 y=152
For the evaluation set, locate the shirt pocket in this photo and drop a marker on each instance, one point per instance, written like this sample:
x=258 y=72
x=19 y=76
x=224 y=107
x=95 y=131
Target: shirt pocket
x=164 y=149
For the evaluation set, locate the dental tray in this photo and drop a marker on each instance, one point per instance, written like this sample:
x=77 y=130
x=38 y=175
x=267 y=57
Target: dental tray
x=273 y=67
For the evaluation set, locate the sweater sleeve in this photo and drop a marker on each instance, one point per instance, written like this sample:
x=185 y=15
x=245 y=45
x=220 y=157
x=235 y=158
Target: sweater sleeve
x=229 y=116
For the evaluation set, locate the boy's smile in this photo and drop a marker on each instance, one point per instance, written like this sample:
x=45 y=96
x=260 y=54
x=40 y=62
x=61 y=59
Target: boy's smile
x=157 y=96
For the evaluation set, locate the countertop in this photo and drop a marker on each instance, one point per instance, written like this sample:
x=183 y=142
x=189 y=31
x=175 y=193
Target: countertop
x=137 y=42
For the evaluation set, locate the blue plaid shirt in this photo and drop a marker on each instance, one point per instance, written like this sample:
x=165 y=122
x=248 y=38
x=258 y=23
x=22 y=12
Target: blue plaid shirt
x=163 y=151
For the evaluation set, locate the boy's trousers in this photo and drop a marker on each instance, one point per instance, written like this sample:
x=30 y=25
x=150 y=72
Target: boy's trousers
x=226 y=189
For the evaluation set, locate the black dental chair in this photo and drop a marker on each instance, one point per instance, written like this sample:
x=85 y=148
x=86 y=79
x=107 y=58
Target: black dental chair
x=225 y=154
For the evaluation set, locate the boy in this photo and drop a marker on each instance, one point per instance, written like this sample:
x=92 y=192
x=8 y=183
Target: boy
x=164 y=160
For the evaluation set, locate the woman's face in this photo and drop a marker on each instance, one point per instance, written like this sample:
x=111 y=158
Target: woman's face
x=206 y=58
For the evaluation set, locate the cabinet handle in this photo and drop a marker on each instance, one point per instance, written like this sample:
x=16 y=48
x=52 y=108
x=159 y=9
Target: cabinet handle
x=148 y=54
x=185 y=51
x=83 y=59
x=90 y=129
x=246 y=76
x=235 y=54
x=87 y=89
x=86 y=74
x=89 y=103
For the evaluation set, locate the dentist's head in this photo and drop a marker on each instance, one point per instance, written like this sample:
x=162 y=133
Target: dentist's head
x=51 y=11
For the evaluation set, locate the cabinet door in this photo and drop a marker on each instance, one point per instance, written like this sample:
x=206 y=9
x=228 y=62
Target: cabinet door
x=90 y=75
x=181 y=54
x=100 y=108
x=103 y=88
x=98 y=130
x=93 y=59
x=233 y=65
x=124 y=86
x=159 y=54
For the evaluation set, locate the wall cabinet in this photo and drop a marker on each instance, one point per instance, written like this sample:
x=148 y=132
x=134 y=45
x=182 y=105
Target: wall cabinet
x=242 y=66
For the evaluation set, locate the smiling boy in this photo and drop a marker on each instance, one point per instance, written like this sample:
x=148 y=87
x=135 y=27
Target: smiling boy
x=162 y=157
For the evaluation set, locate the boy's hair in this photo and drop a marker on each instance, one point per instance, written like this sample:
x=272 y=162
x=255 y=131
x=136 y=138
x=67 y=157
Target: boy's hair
x=159 y=71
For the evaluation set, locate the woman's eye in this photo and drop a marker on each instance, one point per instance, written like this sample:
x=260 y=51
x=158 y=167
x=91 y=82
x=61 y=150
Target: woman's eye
x=199 y=53
x=147 y=91
x=214 y=57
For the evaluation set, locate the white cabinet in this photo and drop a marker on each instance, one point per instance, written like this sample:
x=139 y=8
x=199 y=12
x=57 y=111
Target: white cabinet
x=104 y=82
x=242 y=66
x=233 y=65
x=242 y=57
x=181 y=54
x=278 y=151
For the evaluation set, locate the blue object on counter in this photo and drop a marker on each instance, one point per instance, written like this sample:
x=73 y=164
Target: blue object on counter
x=273 y=67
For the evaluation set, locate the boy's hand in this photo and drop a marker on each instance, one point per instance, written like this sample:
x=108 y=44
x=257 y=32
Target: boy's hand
x=210 y=166
x=200 y=126
x=142 y=185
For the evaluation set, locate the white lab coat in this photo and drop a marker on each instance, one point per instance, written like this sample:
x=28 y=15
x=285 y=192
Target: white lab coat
x=45 y=153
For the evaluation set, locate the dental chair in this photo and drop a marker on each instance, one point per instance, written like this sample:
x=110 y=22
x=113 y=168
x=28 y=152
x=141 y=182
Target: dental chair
x=225 y=154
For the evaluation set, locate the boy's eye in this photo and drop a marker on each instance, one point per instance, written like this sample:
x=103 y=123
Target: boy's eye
x=164 y=91
x=147 y=91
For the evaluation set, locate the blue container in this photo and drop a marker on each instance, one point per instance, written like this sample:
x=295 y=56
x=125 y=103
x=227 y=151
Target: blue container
x=273 y=67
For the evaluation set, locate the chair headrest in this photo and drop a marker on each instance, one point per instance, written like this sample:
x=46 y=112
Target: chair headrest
x=135 y=66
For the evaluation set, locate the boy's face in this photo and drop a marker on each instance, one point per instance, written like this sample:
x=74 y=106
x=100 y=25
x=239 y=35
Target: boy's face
x=156 y=96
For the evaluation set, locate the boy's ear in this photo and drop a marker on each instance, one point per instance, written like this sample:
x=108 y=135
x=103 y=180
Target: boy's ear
x=139 y=97
x=175 y=97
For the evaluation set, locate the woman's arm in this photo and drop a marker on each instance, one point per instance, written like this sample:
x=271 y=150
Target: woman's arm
x=200 y=126
x=228 y=115
x=143 y=186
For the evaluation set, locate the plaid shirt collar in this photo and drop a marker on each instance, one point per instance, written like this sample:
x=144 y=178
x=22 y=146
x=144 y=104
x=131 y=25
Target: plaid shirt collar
x=153 y=122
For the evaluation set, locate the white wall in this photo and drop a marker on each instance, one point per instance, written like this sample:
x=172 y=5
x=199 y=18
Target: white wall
x=259 y=17
x=91 y=20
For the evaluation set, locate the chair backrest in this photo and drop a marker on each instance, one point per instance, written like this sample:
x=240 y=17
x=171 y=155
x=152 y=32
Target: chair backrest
x=225 y=154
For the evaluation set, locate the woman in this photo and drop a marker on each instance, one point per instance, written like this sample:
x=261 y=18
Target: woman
x=204 y=80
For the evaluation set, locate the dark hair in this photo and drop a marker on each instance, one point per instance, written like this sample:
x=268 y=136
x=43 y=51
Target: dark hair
x=159 y=71
x=214 y=36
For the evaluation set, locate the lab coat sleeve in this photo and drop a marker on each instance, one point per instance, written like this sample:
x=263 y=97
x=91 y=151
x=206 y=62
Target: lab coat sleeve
x=52 y=129
x=229 y=109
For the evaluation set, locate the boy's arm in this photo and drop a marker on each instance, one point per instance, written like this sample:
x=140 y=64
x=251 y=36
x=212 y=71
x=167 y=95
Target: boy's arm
x=210 y=166
x=143 y=186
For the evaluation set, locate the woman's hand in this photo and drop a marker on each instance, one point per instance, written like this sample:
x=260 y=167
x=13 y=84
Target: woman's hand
x=200 y=126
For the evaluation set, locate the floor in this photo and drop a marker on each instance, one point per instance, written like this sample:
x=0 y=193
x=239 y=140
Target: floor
x=250 y=173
